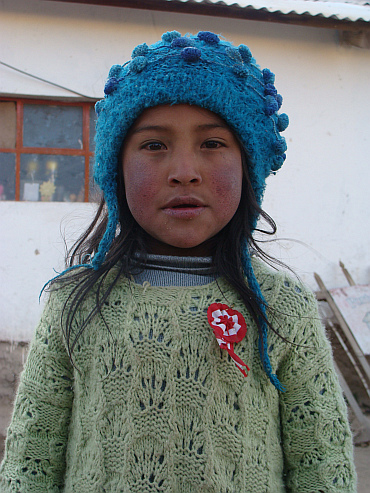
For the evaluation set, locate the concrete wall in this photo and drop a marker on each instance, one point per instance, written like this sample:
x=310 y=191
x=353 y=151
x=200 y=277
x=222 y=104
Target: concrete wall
x=319 y=198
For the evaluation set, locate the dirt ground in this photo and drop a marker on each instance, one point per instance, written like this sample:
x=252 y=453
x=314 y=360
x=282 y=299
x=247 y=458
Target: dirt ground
x=362 y=460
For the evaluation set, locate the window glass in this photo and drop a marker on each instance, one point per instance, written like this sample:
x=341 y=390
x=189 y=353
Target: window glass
x=52 y=126
x=93 y=119
x=8 y=125
x=52 y=178
x=7 y=176
x=94 y=190
x=47 y=138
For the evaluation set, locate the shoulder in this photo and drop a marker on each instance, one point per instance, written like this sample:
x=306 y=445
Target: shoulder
x=60 y=288
x=60 y=291
x=292 y=308
x=282 y=290
x=82 y=287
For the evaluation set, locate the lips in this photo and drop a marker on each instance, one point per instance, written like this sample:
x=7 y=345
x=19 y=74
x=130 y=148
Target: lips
x=183 y=202
x=186 y=207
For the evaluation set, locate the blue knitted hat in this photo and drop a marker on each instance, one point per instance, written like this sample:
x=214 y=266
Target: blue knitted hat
x=199 y=70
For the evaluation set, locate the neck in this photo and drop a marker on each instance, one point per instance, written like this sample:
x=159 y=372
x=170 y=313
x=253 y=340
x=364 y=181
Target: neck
x=157 y=247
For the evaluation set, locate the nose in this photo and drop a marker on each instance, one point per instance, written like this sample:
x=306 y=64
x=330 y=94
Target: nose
x=184 y=169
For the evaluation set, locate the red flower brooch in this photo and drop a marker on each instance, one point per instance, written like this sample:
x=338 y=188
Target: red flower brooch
x=228 y=326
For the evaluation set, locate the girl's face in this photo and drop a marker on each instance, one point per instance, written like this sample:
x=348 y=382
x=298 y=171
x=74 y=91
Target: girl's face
x=182 y=171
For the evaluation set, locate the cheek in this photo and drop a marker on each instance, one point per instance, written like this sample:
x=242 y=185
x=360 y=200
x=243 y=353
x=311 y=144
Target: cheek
x=227 y=185
x=140 y=185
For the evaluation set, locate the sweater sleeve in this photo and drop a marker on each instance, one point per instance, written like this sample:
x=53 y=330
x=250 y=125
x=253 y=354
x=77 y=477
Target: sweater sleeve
x=34 y=459
x=316 y=437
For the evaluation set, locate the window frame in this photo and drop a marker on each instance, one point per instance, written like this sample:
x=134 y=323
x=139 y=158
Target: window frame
x=19 y=149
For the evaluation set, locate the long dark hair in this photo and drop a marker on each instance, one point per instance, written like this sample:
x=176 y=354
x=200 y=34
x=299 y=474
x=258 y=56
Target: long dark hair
x=130 y=240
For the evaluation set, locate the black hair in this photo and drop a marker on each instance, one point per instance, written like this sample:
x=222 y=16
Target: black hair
x=131 y=239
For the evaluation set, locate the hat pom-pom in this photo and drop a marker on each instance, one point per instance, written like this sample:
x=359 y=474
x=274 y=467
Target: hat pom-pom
x=283 y=122
x=110 y=85
x=278 y=162
x=245 y=53
x=138 y=64
x=234 y=54
x=182 y=42
x=270 y=90
x=271 y=105
x=169 y=36
x=268 y=76
x=140 y=50
x=279 y=99
x=114 y=71
x=240 y=70
x=280 y=146
x=208 y=37
x=191 y=54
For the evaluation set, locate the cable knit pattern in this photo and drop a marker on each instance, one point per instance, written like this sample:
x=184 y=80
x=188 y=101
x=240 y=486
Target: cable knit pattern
x=156 y=406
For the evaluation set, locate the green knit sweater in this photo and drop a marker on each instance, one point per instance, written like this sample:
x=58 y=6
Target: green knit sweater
x=156 y=406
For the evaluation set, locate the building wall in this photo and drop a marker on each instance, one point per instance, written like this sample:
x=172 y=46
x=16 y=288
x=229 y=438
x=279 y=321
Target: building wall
x=319 y=197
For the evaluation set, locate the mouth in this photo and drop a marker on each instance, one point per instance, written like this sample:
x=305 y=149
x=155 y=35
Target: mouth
x=184 y=207
x=184 y=203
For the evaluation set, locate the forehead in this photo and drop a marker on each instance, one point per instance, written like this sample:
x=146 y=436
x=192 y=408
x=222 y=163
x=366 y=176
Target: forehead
x=178 y=115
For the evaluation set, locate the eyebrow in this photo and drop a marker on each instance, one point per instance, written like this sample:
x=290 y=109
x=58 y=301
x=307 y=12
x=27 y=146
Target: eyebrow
x=204 y=126
x=144 y=128
x=210 y=126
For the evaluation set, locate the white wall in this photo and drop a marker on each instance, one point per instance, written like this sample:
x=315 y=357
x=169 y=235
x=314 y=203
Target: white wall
x=32 y=246
x=319 y=198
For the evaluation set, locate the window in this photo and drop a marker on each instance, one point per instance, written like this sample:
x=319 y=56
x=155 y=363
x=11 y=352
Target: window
x=46 y=150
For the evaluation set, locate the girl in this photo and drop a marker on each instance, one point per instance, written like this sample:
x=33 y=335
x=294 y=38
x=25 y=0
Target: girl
x=136 y=377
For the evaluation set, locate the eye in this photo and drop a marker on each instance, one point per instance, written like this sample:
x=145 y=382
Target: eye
x=213 y=144
x=154 y=146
